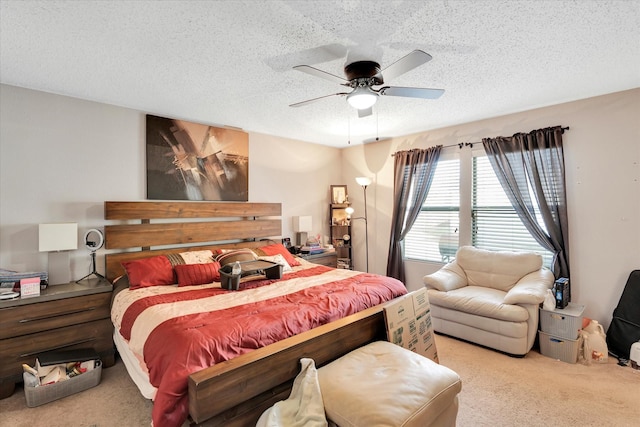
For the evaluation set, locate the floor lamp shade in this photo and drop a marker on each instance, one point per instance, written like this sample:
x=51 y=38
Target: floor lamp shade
x=57 y=239
x=363 y=181
x=301 y=225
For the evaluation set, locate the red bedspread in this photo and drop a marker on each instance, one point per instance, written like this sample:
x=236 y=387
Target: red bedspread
x=191 y=328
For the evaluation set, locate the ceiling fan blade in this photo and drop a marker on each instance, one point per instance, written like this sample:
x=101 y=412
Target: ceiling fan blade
x=365 y=112
x=316 y=55
x=322 y=74
x=405 y=64
x=309 y=101
x=411 y=92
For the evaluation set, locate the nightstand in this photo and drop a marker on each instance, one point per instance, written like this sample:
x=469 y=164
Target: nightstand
x=63 y=317
x=330 y=259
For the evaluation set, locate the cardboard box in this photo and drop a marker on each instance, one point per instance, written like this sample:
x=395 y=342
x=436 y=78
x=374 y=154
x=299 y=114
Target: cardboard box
x=408 y=322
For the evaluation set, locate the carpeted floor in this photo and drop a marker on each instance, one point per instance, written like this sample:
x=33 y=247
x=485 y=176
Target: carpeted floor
x=497 y=390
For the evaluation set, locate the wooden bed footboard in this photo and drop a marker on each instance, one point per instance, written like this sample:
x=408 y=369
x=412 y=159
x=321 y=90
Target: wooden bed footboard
x=236 y=392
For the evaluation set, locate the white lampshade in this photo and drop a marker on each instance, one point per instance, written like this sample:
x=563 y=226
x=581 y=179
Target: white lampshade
x=302 y=223
x=362 y=98
x=363 y=181
x=349 y=211
x=57 y=237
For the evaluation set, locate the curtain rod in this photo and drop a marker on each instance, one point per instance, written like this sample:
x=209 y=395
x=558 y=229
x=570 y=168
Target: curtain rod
x=470 y=144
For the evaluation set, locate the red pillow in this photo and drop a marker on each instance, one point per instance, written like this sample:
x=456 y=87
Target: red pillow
x=152 y=271
x=198 y=274
x=278 y=248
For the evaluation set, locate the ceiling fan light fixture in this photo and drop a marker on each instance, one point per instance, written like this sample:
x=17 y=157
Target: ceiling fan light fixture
x=362 y=98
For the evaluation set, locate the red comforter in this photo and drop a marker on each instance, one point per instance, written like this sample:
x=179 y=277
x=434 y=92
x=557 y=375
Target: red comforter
x=191 y=328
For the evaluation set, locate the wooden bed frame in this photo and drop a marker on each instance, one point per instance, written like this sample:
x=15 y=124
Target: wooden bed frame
x=235 y=392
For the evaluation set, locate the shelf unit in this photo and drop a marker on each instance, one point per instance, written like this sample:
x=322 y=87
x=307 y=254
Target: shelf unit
x=341 y=238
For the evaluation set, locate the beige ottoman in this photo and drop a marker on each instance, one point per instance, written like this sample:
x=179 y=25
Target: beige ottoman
x=383 y=384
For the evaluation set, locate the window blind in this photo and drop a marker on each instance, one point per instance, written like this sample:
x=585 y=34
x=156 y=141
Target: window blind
x=495 y=223
x=434 y=235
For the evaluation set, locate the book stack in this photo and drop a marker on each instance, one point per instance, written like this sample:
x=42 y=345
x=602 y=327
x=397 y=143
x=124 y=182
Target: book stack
x=311 y=248
x=10 y=280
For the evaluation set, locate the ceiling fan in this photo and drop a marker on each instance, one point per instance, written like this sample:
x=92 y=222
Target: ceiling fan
x=363 y=76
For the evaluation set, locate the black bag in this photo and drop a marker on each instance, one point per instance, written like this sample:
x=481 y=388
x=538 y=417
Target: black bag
x=625 y=326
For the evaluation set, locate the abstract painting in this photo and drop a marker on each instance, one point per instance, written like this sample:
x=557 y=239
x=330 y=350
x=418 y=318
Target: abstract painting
x=190 y=161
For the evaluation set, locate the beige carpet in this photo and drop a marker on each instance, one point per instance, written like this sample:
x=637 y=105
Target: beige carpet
x=497 y=390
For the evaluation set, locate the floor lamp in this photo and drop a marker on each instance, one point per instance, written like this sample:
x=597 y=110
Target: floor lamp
x=364 y=182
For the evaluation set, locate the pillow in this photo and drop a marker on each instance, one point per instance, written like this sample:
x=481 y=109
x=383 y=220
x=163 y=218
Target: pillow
x=275 y=249
x=198 y=274
x=278 y=259
x=225 y=257
x=197 y=257
x=152 y=271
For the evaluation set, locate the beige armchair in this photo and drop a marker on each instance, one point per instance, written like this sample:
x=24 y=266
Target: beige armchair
x=490 y=298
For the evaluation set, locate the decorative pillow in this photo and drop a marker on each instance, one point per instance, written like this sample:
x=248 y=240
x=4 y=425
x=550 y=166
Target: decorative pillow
x=198 y=274
x=197 y=257
x=275 y=249
x=152 y=271
x=225 y=257
x=278 y=259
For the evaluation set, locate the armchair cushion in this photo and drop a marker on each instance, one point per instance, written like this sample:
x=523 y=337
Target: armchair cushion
x=496 y=269
x=480 y=301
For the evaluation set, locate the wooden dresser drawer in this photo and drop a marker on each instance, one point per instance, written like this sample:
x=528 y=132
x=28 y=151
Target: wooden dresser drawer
x=23 y=349
x=27 y=319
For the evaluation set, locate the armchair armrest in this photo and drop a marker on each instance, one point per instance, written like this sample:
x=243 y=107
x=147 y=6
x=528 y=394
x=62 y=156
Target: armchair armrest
x=531 y=289
x=448 y=278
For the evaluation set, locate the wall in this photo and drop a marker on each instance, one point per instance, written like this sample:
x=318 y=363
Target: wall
x=61 y=158
x=602 y=157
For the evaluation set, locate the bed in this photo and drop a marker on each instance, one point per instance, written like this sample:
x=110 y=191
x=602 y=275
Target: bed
x=185 y=360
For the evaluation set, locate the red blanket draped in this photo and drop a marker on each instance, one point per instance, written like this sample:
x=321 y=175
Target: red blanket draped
x=184 y=344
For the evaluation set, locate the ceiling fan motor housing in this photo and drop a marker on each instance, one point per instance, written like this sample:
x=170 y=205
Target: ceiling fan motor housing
x=364 y=70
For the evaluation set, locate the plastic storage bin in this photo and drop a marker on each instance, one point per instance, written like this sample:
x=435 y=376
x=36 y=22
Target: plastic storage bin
x=565 y=323
x=40 y=395
x=559 y=348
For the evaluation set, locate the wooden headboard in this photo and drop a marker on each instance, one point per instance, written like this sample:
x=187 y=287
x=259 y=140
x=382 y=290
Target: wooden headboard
x=156 y=228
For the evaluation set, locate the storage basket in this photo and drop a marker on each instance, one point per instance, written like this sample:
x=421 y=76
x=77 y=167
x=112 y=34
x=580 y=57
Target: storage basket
x=565 y=323
x=559 y=348
x=40 y=395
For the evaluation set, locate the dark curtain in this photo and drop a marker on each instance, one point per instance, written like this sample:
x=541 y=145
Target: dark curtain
x=413 y=174
x=535 y=161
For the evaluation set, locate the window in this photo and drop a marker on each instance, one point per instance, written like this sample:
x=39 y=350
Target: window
x=434 y=235
x=495 y=223
x=487 y=220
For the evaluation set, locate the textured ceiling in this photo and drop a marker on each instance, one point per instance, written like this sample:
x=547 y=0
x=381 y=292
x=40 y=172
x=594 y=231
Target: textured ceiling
x=229 y=62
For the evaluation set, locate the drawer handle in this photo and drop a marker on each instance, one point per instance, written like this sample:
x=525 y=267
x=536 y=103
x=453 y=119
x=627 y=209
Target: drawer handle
x=36 y=319
x=58 y=347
